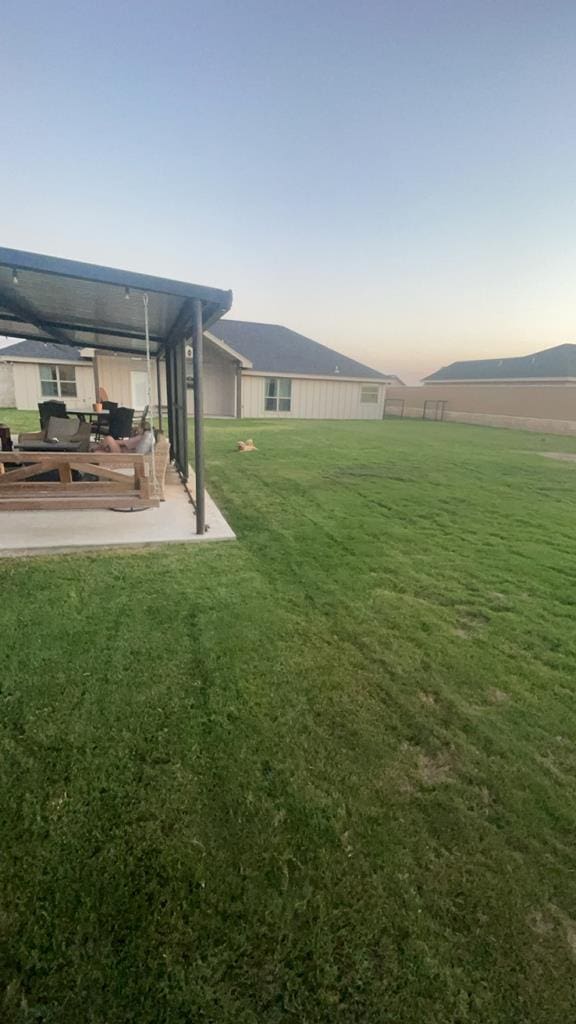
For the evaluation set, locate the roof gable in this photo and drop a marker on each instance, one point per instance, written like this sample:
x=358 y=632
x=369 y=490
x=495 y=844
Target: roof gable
x=275 y=349
x=558 y=361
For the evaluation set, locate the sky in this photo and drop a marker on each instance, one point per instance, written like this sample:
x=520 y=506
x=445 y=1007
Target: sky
x=396 y=179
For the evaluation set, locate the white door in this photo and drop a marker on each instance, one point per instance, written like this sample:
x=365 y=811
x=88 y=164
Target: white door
x=139 y=388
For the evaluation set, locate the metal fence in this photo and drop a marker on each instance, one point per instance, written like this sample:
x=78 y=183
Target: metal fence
x=433 y=409
x=393 y=407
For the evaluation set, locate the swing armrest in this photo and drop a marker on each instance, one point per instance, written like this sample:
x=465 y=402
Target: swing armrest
x=33 y=435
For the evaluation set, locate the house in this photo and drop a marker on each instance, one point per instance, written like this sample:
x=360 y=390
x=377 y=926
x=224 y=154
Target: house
x=283 y=373
x=31 y=371
x=533 y=392
x=250 y=370
x=555 y=365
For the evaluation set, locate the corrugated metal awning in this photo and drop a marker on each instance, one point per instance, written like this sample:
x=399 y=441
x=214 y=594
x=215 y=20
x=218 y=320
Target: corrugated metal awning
x=88 y=306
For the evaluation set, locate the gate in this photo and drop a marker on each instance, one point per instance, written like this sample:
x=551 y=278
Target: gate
x=433 y=409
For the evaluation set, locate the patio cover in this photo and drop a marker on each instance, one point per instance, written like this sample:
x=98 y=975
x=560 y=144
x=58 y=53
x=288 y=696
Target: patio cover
x=84 y=305
x=88 y=306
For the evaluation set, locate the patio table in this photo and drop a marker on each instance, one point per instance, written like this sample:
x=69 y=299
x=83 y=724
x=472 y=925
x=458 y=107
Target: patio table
x=93 y=417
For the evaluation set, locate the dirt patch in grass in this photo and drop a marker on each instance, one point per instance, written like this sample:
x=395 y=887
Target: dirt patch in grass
x=548 y=920
x=435 y=769
x=558 y=456
x=540 y=922
x=570 y=934
x=471 y=621
x=464 y=634
x=428 y=699
x=417 y=767
x=496 y=696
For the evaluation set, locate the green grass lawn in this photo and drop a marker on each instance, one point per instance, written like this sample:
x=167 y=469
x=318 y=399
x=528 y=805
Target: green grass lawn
x=324 y=774
x=18 y=419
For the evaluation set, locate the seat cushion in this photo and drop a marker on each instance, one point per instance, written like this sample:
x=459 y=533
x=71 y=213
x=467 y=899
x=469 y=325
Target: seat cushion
x=82 y=437
x=62 y=430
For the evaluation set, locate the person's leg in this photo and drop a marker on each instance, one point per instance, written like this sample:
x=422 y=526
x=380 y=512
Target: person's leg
x=131 y=444
x=108 y=444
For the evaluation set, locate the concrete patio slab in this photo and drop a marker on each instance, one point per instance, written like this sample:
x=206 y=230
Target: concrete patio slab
x=53 y=532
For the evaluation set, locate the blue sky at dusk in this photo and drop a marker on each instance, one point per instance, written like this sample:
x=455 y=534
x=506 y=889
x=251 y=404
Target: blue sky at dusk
x=396 y=179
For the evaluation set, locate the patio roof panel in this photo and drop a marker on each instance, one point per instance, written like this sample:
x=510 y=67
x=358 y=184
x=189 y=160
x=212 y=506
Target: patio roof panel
x=85 y=305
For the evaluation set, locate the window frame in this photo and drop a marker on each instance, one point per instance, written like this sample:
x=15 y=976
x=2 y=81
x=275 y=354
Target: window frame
x=278 y=394
x=54 y=378
x=373 y=389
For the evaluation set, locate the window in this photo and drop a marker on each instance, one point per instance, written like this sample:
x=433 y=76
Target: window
x=278 y=394
x=369 y=394
x=58 y=381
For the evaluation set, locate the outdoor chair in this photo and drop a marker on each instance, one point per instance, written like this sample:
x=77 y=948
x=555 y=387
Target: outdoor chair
x=119 y=423
x=48 y=409
x=102 y=424
x=121 y=420
x=57 y=429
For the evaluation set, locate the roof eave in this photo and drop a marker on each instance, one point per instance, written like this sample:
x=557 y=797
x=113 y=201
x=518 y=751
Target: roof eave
x=85 y=361
x=320 y=376
x=17 y=259
x=498 y=380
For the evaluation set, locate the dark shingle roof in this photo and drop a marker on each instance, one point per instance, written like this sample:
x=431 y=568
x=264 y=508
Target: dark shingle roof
x=274 y=349
x=559 y=361
x=42 y=350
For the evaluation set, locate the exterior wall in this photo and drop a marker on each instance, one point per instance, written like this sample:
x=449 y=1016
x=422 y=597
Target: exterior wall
x=219 y=383
x=313 y=398
x=27 y=391
x=7 y=392
x=543 y=407
x=113 y=372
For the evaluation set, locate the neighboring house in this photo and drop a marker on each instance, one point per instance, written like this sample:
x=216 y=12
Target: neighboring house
x=534 y=392
x=31 y=371
x=250 y=370
x=283 y=373
x=555 y=365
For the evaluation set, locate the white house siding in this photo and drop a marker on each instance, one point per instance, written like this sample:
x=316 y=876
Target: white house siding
x=27 y=390
x=219 y=383
x=7 y=392
x=314 y=398
x=114 y=374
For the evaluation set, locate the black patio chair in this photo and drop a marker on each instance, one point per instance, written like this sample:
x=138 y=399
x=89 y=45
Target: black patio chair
x=101 y=425
x=120 y=424
x=51 y=408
